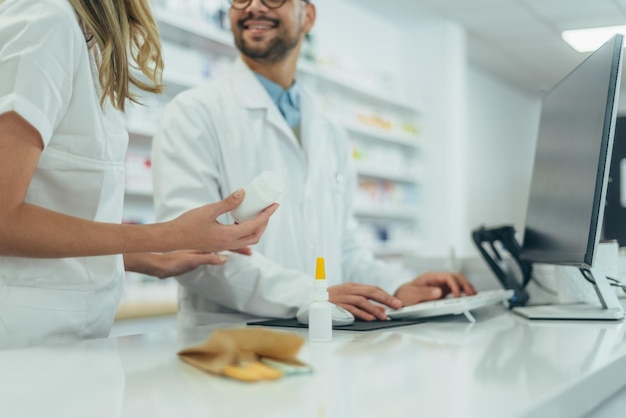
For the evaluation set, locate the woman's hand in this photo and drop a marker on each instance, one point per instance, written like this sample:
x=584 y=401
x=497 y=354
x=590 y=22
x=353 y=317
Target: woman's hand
x=164 y=265
x=199 y=229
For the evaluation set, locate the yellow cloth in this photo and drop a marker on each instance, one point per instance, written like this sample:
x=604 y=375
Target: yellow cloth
x=239 y=353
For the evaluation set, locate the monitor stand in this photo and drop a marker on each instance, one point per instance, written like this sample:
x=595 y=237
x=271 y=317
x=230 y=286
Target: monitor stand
x=610 y=309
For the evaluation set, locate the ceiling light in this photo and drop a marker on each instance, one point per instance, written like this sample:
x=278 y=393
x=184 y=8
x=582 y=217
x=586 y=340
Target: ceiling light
x=587 y=40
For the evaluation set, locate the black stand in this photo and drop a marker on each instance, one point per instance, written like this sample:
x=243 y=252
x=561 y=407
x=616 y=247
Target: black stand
x=492 y=243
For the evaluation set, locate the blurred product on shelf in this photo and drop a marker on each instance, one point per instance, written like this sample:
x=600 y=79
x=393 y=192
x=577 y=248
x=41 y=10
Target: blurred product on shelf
x=374 y=120
x=138 y=173
x=389 y=238
x=143 y=118
x=220 y=16
x=378 y=159
x=348 y=72
x=214 y=12
x=189 y=65
x=410 y=128
x=384 y=193
x=366 y=117
x=308 y=48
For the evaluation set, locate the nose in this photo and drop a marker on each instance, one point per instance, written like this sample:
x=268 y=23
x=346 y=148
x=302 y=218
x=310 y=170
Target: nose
x=256 y=6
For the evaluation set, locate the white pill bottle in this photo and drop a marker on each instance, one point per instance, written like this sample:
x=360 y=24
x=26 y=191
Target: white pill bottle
x=262 y=191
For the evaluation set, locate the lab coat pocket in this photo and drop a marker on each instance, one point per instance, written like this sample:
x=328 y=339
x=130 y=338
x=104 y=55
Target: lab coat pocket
x=333 y=202
x=68 y=183
x=31 y=316
x=54 y=274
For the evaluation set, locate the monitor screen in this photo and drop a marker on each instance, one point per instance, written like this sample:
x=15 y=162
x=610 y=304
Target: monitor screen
x=570 y=172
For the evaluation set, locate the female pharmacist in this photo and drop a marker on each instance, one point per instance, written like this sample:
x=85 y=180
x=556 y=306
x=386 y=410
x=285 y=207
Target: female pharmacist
x=65 y=74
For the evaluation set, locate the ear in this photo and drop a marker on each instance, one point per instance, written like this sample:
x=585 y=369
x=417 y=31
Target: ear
x=309 y=17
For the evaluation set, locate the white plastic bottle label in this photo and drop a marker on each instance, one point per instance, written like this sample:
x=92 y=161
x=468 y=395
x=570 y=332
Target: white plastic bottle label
x=320 y=322
x=262 y=191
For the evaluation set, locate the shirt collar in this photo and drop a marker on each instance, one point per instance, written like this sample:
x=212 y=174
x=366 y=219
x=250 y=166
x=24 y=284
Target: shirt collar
x=287 y=101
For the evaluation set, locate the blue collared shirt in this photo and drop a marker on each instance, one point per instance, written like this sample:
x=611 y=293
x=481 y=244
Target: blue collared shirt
x=287 y=101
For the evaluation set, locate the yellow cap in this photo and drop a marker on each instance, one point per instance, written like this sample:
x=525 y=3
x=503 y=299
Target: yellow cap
x=320 y=274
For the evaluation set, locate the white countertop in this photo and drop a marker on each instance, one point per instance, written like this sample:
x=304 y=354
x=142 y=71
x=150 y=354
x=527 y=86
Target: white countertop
x=501 y=366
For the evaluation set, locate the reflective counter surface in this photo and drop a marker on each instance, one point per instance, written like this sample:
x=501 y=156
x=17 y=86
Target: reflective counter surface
x=500 y=366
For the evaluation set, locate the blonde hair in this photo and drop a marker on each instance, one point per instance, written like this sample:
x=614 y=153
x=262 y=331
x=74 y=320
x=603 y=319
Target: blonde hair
x=123 y=30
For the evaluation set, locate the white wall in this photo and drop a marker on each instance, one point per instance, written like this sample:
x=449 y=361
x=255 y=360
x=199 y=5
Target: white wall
x=502 y=127
x=434 y=63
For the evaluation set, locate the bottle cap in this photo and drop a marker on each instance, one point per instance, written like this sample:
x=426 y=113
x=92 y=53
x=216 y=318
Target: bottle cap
x=320 y=273
x=267 y=186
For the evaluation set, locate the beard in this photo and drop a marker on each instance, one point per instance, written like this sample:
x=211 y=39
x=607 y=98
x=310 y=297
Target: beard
x=275 y=50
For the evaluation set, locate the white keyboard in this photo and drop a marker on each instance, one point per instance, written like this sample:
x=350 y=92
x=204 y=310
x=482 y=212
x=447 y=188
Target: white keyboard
x=452 y=305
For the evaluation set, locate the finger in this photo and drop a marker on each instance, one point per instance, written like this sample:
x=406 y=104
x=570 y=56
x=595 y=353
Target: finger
x=230 y=203
x=468 y=288
x=260 y=223
x=254 y=228
x=365 y=305
x=379 y=295
x=252 y=238
x=451 y=281
x=423 y=294
x=213 y=259
x=358 y=313
x=270 y=209
x=374 y=293
x=244 y=250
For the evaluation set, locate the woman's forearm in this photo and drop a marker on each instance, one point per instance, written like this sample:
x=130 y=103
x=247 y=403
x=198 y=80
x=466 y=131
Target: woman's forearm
x=32 y=231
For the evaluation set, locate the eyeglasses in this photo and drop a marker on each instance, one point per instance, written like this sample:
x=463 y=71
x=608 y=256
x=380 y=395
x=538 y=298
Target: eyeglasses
x=270 y=4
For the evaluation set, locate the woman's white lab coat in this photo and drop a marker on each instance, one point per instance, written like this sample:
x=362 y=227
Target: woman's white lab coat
x=216 y=138
x=46 y=77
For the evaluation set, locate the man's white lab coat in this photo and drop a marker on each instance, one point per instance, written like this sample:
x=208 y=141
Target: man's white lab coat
x=214 y=139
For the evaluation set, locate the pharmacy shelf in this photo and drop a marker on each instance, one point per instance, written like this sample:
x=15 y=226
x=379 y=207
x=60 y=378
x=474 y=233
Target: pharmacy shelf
x=345 y=81
x=405 y=140
x=174 y=82
x=399 y=213
x=194 y=31
x=180 y=81
x=383 y=249
x=385 y=174
x=379 y=134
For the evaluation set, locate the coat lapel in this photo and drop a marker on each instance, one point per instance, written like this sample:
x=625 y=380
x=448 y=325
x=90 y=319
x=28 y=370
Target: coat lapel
x=251 y=94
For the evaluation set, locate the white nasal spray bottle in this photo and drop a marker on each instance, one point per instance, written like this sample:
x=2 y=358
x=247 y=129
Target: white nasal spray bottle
x=320 y=313
x=262 y=191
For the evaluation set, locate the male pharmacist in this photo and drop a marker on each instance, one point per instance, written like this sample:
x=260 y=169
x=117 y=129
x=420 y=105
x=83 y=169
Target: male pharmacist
x=216 y=138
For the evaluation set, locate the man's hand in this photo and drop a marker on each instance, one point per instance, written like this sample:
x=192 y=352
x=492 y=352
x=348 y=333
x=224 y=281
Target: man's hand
x=363 y=301
x=431 y=286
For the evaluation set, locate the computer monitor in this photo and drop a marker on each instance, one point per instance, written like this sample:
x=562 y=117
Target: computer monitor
x=570 y=176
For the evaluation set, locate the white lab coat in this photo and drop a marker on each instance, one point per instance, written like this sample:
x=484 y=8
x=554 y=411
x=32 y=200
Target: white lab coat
x=217 y=137
x=46 y=77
